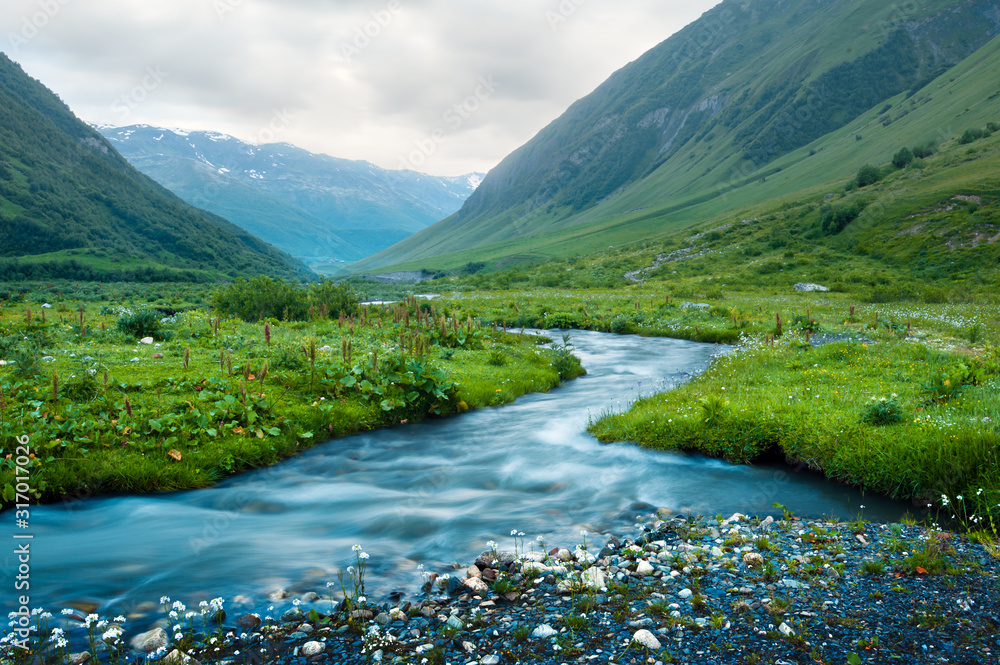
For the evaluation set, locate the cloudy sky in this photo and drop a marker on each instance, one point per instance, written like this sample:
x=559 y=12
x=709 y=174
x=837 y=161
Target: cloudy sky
x=441 y=86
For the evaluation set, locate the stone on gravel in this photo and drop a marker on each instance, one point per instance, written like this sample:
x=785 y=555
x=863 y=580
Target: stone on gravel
x=646 y=639
x=248 y=622
x=79 y=658
x=594 y=578
x=543 y=631
x=492 y=659
x=310 y=649
x=785 y=629
x=644 y=568
x=293 y=614
x=455 y=622
x=477 y=586
x=178 y=657
x=150 y=641
x=685 y=593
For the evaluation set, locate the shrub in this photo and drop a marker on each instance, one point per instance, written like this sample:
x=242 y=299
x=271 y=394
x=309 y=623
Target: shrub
x=903 y=158
x=261 y=298
x=924 y=151
x=334 y=298
x=971 y=135
x=868 y=175
x=993 y=127
x=885 y=411
x=141 y=323
x=835 y=219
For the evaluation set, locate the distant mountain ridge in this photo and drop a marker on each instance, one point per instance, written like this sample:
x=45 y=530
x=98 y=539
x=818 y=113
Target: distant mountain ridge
x=316 y=207
x=710 y=110
x=71 y=206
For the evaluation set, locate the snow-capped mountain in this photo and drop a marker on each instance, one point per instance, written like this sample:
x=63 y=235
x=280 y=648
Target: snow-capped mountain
x=315 y=207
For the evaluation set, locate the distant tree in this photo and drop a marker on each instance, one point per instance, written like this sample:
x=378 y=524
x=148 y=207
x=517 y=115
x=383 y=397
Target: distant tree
x=903 y=158
x=924 y=151
x=868 y=175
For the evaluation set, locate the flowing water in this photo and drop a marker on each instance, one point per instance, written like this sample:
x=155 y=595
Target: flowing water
x=431 y=493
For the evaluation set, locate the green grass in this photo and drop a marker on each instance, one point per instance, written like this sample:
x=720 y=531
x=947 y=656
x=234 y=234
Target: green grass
x=105 y=416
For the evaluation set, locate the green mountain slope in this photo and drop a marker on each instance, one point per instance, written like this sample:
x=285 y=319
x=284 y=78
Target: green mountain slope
x=70 y=206
x=747 y=90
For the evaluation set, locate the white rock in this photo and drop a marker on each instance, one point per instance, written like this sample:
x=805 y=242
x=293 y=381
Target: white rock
x=477 y=585
x=594 y=578
x=146 y=340
x=685 y=593
x=150 y=641
x=644 y=568
x=534 y=568
x=717 y=552
x=785 y=629
x=492 y=659
x=469 y=647
x=537 y=557
x=584 y=557
x=455 y=622
x=177 y=657
x=808 y=288
x=646 y=639
x=46 y=306
x=543 y=631
x=312 y=649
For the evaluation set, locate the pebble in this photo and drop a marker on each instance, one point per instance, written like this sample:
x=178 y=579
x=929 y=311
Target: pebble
x=543 y=631
x=312 y=648
x=646 y=639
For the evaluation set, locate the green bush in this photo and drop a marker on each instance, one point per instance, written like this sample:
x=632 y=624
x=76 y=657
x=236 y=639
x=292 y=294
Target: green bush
x=261 y=298
x=972 y=135
x=835 y=219
x=335 y=298
x=924 y=151
x=868 y=175
x=903 y=158
x=141 y=323
x=884 y=411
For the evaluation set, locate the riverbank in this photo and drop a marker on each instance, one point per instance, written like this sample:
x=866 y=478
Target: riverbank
x=129 y=399
x=684 y=590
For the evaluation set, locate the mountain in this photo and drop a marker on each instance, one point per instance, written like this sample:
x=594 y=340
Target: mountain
x=315 y=207
x=70 y=206
x=706 y=120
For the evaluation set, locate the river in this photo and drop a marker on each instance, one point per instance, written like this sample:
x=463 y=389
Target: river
x=429 y=493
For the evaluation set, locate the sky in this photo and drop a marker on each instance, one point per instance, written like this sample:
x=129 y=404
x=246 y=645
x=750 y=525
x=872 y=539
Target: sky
x=445 y=87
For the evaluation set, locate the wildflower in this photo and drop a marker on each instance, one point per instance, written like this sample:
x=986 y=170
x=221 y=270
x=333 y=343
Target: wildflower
x=492 y=544
x=356 y=548
x=363 y=555
x=120 y=619
x=362 y=600
x=90 y=620
x=180 y=636
x=164 y=600
x=67 y=612
x=513 y=532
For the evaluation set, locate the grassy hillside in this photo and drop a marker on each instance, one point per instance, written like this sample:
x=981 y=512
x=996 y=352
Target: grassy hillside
x=800 y=82
x=72 y=207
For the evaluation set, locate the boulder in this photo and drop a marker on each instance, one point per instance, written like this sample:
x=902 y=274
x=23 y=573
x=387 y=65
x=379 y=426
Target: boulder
x=477 y=586
x=695 y=305
x=644 y=568
x=150 y=641
x=808 y=288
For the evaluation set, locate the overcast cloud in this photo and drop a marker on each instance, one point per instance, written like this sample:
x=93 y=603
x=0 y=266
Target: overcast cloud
x=442 y=86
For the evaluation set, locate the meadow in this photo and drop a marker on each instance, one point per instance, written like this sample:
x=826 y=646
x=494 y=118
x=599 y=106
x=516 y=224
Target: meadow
x=902 y=398
x=125 y=388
